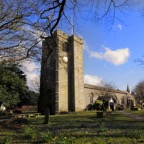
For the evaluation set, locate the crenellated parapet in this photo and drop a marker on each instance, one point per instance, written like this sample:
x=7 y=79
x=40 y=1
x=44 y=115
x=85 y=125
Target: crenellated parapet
x=77 y=39
x=60 y=34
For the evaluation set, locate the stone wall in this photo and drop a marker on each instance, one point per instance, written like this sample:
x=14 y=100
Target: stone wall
x=62 y=71
x=62 y=81
x=47 y=81
x=76 y=80
x=91 y=93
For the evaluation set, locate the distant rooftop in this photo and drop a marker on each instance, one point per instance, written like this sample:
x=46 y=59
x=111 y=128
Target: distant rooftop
x=102 y=88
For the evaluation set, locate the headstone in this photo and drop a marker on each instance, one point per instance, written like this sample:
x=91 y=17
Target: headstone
x=47 y=113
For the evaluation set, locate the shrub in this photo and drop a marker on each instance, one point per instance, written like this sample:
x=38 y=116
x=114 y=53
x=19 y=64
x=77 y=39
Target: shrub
x=98 y=105
x=119 y=107
x=29 y=132
x=46 y=137
x=135 y=108
x=5 y=140
x=89 y=107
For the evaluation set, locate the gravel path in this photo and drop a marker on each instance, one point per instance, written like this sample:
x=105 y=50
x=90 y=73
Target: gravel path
x=136 y=117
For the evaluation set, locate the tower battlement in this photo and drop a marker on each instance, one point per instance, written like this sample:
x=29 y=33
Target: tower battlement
x=77 y=39
x=59 y=33
x=62 y=82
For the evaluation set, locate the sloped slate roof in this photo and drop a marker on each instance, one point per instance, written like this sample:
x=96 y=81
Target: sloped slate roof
x=103 y=88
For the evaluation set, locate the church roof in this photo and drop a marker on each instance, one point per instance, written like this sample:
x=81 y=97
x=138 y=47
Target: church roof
x=102 y=88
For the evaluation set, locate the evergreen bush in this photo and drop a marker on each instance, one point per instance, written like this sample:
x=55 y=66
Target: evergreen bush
x=98 y=105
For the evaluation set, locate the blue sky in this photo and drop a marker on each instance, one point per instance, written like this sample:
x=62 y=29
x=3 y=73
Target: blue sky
x=110 y=51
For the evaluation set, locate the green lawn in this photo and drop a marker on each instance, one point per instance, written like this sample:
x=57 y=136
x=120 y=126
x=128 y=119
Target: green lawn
x=138 y=112
x=77 y=128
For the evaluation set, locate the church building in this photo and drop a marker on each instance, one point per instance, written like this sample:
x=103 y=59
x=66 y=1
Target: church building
x=62 y=85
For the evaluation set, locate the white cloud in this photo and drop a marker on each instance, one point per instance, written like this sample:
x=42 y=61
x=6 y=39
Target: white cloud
x=116 y=57
x=33 y=81
x=29 y=66
x=119 y=27
x=31 y=70
x=96 y=54
x=93 y=80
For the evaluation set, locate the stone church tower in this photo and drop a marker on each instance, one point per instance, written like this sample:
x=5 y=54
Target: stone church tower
x=62 y=82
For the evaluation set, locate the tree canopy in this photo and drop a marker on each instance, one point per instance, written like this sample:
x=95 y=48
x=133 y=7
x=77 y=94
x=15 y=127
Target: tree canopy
x=12 y=85
x=23 y=23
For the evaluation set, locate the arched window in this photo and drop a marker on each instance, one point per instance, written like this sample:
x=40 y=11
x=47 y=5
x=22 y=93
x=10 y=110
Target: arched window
x=123 y=100
x=91 y=98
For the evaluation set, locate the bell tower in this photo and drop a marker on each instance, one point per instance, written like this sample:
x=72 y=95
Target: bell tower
x=76 y=76
x=62 y=83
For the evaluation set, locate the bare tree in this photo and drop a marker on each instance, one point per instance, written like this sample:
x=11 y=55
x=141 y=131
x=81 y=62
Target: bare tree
x=140 y=61
x=18 y=30
x=138 y=92
x=107 y=92
x=65 y=10
x=23 y=23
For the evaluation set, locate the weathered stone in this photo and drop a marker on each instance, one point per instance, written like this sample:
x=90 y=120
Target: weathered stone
x=62 y=78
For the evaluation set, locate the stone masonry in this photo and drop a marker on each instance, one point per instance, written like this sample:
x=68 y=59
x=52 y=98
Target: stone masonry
x=62 y=83
x=62 y=79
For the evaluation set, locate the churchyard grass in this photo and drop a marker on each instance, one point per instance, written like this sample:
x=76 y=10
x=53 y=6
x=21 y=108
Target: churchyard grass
x=77 y=128
x=138 y=112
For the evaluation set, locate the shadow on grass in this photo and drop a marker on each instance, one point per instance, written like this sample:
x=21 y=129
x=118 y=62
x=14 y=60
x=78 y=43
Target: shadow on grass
x=86 y=125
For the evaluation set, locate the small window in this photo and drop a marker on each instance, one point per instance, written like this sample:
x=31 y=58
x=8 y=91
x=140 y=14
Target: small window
x=91 y=98
x=65 y=47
